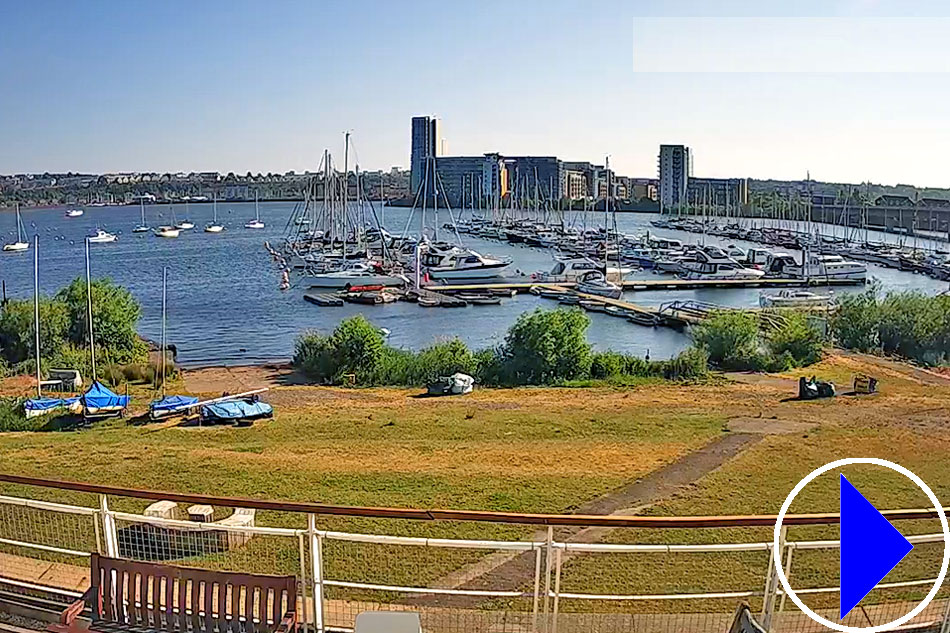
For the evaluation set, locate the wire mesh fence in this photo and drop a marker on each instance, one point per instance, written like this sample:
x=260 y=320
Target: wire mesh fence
x=538 y=584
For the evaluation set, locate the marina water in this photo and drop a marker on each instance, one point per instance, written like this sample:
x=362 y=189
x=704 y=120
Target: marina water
x=225 y=306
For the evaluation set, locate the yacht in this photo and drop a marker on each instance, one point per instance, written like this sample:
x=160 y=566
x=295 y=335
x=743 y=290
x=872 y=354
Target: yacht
x=214 y=227
x=595 y=283
x=572 y=269
x=357 y=274
x=74 y=213
x=167 y=231
x=256 y=222
x=102 y=237
x=20 y=244
x=818 y=267
x=143 y=227
x=794 y=299
x=714 y=263
x=468 y=264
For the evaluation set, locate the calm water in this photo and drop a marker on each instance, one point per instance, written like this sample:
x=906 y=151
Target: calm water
x=224 y=305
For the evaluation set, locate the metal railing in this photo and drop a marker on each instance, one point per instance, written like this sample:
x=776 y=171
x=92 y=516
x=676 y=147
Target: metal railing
x=553 y=581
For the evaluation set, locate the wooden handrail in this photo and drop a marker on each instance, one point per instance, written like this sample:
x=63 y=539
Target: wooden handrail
x=599 y=520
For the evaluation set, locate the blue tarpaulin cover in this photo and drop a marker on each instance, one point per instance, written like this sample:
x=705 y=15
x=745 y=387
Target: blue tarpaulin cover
x=172 y=403
x=100 y=397
x=234 y=410
x=45 y=404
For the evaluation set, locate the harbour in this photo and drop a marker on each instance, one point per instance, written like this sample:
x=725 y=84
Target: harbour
x=229 y=308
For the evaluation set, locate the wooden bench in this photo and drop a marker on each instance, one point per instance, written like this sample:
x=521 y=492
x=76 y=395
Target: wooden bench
x=134 y=597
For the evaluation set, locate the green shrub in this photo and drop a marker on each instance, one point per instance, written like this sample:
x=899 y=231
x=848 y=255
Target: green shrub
x=12 y=417
x=689 y=365
x=797 y=338
x=70 y=356
x=443 y=359
x=313 y=357
x=17 y=334
x=357 y=348
x=115 y=314
x=608 y=365
x=396 y=367
x=546 y=346
x=489 y=367
x=731 y=339
x=855 y=322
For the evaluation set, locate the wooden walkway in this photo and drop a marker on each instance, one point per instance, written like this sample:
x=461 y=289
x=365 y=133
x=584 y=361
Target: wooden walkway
x=656 y=284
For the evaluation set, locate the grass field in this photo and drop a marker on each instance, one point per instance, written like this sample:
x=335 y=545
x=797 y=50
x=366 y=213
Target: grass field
x=530 y=450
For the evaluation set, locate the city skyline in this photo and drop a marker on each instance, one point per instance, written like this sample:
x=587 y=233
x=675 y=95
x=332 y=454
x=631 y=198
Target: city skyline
x=97 y=89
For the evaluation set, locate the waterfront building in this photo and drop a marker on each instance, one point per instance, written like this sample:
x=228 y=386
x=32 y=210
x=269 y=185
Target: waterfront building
x=425 y=144
x=675 y=170
x=718 y=192
x=464 y=178
x=541 y=174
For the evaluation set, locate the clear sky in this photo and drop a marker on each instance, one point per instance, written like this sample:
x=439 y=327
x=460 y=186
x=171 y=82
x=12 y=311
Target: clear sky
x=235 y=85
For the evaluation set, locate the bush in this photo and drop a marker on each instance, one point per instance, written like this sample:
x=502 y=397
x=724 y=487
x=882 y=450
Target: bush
x=313 y=356
x=396 y=367
x=357 y=348
x=17 y=334
x=12 y=418
x=689 y=365
x=489 y=366
x=855 y=322
x=731 y=340
x=609 y=365
x=797 y=338
x=115 y=314
x=443 y=359
x=546 y=346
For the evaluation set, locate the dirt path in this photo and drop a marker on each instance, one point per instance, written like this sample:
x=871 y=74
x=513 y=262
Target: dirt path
x=505 y=571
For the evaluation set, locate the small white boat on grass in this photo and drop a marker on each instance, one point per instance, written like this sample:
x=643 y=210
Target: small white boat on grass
x=595 y=283
x=102 y=237
x=795 y=299
x=20 y=244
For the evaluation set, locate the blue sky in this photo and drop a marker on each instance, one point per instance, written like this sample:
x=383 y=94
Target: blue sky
x=266 y=86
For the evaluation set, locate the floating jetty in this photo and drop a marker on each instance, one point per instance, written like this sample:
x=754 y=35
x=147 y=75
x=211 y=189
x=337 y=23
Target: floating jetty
x=323 y=299
x=657 y=284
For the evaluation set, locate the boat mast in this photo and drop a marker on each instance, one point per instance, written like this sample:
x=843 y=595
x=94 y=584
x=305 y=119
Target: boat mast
x=214 y=211
x=92 y=341
x=36 y=308
x=346 y=186
x=164 y=345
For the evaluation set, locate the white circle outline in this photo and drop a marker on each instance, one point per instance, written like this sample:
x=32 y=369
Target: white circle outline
x=777 y=556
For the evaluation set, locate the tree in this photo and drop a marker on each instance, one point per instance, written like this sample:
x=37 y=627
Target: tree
x=798 y=337
x=731 y=338
x=115 y=314
x=357 y=348
x=547 y=346
x=17 y=334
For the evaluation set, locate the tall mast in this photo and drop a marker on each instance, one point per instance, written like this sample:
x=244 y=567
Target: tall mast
x=346 y=186
x=164 y=345
x=36 y=308
x=92 y=341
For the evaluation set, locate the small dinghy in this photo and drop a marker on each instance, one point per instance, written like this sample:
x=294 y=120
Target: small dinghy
x=238 y=412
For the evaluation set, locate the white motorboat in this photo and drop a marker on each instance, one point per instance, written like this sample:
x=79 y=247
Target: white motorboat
x=820 y=267
x=468 y=264
x=20 y=244
x=74 y=213
x=167 y=231
x=185 y=225
x=214 y=227
x=595 y=283
x=795 y=299
x=572 y=269
x=256 y=222
x=143 y=227
x=102 y=237
x=713 y=263
x=359 y=274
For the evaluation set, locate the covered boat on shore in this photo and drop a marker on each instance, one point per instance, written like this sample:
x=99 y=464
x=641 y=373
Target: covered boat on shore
x=170 y=406
x=241 y=412
x=99 y=402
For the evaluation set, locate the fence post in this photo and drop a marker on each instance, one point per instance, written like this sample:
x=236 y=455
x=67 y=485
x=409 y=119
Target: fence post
x=557 y=587
x=547 y=576
x=316 y=562
x=772 y=584
x=537 y=589
x=108 y=529
x=303 y=582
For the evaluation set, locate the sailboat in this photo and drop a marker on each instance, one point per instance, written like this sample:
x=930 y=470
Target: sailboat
x=186 y=223
x=168 y=230
x=20 y=244
x=167 y=405
x=214 y=227
x=143 y=227
x=256 y=222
